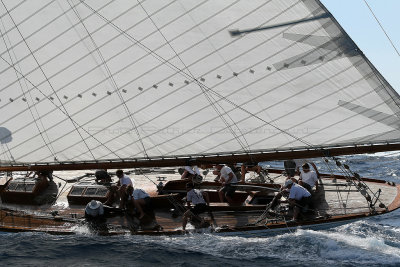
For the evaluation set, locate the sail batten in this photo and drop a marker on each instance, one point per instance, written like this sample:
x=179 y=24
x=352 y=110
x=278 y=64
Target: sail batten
x=155 y=79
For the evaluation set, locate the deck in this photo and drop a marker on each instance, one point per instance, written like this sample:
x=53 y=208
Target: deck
x=336 y=200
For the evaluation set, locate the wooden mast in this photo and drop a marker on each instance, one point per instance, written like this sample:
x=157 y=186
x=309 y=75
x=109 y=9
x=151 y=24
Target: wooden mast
x=225 y=158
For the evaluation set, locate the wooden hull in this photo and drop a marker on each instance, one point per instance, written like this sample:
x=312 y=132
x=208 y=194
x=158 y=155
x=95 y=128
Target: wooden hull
x=223 y=219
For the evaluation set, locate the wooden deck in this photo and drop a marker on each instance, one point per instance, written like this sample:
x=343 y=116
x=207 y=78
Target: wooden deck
x=336 y=201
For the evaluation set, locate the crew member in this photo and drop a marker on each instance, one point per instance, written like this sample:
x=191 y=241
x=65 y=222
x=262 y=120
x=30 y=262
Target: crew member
x=195 y=197
x=228 y=180
x=308 y=179
x=189 y=172
x=102 y=176
x=94 y=210
x=124 y=182
x=299 y=198
x=140 y=200
x=247 y=167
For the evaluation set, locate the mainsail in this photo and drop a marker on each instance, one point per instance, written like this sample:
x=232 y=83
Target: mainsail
x=91 y=81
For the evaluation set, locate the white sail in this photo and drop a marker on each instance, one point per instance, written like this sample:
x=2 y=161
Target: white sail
x=94 y=80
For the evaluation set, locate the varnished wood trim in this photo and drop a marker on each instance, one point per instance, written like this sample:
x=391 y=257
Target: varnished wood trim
x=230 y=158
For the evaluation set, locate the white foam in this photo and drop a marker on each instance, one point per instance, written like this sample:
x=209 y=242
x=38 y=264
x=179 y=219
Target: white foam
x=345 y=246
x=82 y=230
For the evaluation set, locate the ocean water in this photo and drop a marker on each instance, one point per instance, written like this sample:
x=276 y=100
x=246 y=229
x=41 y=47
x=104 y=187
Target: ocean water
x=373 y=242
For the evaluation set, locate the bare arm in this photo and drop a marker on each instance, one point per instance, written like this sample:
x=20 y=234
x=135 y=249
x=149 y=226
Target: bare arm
x=230 y=177
x=315 y=168
x=184 y=174
x=206 y=198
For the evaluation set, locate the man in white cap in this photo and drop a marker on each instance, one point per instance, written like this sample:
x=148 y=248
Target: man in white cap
x=299 y=197
x=94 y=209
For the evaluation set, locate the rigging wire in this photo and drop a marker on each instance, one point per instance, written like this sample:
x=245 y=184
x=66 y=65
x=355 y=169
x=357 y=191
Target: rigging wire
x=39 y=48
x=271 y=106
x=231 y=103
x=48 y=81
x=48 y=145
x=27 y=17
x=113 y=82
x=57 y=107
x=5 y=152
x=182 y=72
x=209 y=99
x=66 y=49
x=377 y=20
x=203 y=21
x=382 y=80
x=221 y=29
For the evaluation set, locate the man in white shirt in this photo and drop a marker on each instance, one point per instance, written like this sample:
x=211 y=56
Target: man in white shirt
x=189 y=172
x=293 y=166
x=299 y=197
x=228 y=180
x=196 y=197
x=124 y=182
x=248 y=167
x=301 y=162
x=308 y=179
x=140 y=200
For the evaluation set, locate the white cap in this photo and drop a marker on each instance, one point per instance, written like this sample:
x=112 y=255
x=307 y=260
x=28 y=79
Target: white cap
x=94 y=204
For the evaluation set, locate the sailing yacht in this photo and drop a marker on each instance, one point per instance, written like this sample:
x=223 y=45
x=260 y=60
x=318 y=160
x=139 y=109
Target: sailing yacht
x=143 y=84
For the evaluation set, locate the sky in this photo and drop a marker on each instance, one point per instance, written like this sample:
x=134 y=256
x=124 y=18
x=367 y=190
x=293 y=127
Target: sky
x=359 y=23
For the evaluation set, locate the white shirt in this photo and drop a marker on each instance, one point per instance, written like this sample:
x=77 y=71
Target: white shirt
x=309 y=177
x=195 y=197
x=125 y=180
x=94 y=212
x=297 y=192
x=300 y=162
x=193 y=170
x=139 y=194
x=225 y=171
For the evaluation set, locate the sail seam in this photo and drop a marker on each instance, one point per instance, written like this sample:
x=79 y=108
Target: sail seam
x=259 y=44
x=51 y=86
x=369 y=92
x=194 y=45
x=277 y=103
x=173 y=66
x=228 y=78
x=113 y=82
x=209 y=98
x=42 y=46
x=51 y=149
x=84 y=74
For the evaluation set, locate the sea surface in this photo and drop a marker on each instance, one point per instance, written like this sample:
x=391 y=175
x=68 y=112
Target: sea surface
x=371 y=242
